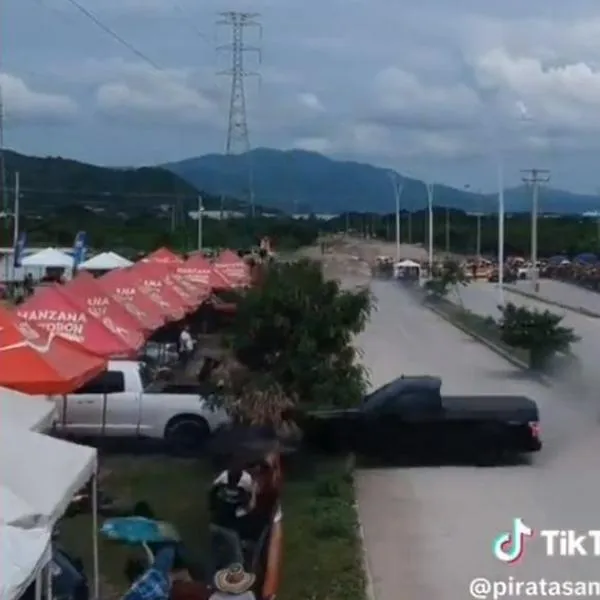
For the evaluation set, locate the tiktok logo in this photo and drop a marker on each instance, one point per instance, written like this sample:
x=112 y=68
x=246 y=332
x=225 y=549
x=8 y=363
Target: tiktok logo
x=509 y=547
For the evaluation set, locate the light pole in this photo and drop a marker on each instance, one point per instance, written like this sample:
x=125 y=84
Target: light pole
x=430 y=192
x=500 y=231
x=200 y=215
x=398 y=188
x=447 y=231
x=535 y=177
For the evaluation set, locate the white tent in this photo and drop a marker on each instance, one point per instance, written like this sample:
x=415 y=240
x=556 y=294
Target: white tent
x=26 y=412
x=23 y=555
x=48 y=258
x=43 y=472
x=405 y=264
x=107 y=261
x=39 y=476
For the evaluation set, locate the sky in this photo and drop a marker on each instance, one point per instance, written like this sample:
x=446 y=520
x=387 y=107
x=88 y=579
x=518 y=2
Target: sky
x=439 y=90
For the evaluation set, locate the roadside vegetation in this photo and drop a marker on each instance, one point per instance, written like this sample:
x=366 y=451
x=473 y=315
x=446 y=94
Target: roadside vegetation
x=535 y=337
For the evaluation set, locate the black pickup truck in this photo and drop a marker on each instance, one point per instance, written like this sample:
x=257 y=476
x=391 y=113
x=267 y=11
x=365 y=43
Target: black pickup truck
x=409 y=418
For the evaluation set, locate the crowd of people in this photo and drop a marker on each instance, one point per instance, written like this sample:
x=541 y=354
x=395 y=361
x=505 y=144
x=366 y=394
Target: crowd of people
x=585 y=275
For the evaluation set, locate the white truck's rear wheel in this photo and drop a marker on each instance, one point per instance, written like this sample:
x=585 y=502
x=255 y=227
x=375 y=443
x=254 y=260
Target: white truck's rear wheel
x=186 y=435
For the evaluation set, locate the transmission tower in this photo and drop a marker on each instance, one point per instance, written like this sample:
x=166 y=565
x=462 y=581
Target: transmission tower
x=238 y=138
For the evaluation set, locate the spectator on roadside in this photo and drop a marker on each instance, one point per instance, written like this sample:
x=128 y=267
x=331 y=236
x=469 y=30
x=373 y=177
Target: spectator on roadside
x=186 y=346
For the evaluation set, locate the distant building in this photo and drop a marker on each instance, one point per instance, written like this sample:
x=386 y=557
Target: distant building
x=318 y=216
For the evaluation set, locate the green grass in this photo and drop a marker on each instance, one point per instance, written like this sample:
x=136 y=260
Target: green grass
x=483 y=326
x=322 y=552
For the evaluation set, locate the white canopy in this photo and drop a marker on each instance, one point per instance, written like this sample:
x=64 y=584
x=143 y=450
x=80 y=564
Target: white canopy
x=26 y=412
x=50 y=257
x=107 y=261
x=23 y=554
x=407 y=263
x=41 y=474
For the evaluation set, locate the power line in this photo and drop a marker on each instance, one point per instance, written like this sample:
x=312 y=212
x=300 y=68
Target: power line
x=238 y=137
x=121 y=40
x=189 y=22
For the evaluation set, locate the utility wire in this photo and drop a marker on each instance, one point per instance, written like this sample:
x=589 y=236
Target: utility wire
x=121 y=40
x=189 y=22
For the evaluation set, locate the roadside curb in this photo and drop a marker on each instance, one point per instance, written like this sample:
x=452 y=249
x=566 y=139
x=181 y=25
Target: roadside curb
x=578 y=309
x=543 y=379
x=366 y=563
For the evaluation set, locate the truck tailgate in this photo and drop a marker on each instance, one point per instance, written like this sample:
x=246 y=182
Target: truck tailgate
x=500 y=408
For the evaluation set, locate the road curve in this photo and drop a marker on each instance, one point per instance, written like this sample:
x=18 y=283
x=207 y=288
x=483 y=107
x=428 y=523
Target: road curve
x=428 y=531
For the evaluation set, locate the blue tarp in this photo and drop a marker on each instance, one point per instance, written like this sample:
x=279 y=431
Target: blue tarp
x=586 y=257
x=557 y=260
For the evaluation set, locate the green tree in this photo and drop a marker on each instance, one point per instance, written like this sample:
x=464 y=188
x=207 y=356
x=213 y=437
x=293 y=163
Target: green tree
x=540 y=333
x=295 y=332
x=449 y=276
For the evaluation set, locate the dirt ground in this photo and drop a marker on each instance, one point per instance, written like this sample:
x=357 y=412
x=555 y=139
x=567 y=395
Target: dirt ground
x=353 y=257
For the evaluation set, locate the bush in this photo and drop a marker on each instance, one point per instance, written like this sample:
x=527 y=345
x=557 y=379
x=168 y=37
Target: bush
x=540 y=333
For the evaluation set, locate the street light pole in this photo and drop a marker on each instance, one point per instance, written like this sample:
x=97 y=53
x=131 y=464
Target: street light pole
x=478 y=242
x=200 y=215
x=500 y=232
x=447 y=231
x=430 y=191
x=398 y=188
x=535 y=177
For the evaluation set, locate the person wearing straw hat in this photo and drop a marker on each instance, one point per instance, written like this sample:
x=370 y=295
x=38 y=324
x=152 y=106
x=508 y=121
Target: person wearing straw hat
x=233 y=583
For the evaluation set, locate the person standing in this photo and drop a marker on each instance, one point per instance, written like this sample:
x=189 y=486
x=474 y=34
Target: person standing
x=186 y=346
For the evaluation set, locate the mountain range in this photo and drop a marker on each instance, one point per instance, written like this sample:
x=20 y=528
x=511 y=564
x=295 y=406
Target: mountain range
x=300 y=181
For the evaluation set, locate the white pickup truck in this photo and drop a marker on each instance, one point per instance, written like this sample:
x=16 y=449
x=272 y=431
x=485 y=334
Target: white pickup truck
x=123 y=402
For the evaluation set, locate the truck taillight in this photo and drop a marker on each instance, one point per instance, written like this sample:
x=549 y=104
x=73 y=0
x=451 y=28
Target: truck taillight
x=534 y=427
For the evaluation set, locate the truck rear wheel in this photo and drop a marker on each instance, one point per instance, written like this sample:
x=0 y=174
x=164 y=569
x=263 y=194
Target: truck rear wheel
x=186 y=435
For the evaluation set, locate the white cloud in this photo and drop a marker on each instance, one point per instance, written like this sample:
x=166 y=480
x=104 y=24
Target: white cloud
x=311 y=101
x=22 y=103
x=401 y=98
x=314 y=144
x=141 y=92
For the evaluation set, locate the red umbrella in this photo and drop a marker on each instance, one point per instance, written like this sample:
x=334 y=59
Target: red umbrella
x=85 y=293
x=36 y=361
x=50 y=310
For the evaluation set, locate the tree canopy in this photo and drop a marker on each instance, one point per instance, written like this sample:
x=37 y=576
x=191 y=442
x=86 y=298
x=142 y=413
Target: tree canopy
x=297 y=330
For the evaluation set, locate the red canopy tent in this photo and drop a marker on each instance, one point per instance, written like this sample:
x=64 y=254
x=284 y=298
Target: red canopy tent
x=233 y=267
x=198 y=270
x=156 y=277
x=50 y=310
x=36 y=361
x=94 y=288
x=83 y=292
x=163 y=255
x=123 y=285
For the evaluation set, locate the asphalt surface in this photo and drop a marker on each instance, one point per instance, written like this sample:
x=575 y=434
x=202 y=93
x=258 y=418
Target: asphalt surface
x=569 y=295
x=428 y=531
x=483 y=299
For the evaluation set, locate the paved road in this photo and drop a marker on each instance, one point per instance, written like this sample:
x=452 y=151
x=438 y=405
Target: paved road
x=567 y=294
x=428 y=531
x=482 y=298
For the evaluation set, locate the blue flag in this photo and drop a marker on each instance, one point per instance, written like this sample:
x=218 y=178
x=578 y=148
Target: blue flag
x=79 y=249
x=19 y=248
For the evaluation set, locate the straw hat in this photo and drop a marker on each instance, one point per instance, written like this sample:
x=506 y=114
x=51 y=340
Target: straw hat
x=234 y=580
